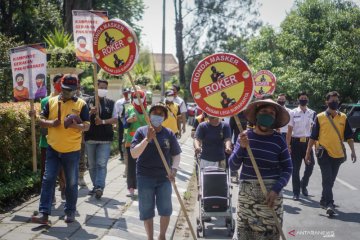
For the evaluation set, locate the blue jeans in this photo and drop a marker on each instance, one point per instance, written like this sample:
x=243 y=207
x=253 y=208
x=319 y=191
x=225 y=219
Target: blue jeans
x=154 y=190
x=329 y=169
x=98 y=155
x=70 y=163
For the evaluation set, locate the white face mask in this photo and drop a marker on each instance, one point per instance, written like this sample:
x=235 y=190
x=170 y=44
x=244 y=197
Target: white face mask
x=170 y=99
x=136 y=101
x=102 y=92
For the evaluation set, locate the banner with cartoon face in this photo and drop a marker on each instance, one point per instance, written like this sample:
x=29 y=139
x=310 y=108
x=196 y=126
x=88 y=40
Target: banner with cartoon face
x=84 y=25
x=222 y=85
x=28 y=65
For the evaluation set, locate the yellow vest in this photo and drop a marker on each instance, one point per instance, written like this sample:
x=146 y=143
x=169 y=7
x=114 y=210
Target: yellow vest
x=171 y=121
x=328 y=137
x=60 y=139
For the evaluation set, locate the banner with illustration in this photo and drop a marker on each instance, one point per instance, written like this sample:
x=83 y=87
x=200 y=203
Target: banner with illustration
x=84 y=25
x=28 y=65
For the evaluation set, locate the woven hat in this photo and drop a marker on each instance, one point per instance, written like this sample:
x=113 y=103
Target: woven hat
x=160 y=105
x=282 y=116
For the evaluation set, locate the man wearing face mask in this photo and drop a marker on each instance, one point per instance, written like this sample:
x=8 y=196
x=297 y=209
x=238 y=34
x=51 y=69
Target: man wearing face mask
x=153 y=181
x=173 y=113
x=255 y=220
x=281 y=100
x=43 y=142
x=99 y=137
x=297 y=138
x=212 y=140
x=135 y=118
x=66 y=117
x=331 y=128
x=183 y=109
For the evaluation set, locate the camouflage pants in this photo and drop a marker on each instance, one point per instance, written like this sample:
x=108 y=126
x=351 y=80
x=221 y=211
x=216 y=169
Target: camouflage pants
x=255 y=220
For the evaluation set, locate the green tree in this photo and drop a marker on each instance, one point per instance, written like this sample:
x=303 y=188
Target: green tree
x=320 y=42
x=217 y=21
x=29 y=20
x=130 y=11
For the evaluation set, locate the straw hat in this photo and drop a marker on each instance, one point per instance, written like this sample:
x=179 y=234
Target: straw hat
x=282 y=116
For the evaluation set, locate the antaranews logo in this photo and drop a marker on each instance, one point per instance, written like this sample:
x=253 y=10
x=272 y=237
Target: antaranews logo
x=304 y=234
x=292 y=233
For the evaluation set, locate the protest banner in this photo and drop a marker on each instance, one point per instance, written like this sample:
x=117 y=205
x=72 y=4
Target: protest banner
x=28 y=65
x=265 y=83
x=222 y=85
x=85 y=23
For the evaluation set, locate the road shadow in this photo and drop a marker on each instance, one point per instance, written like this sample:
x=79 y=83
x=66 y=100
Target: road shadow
x=347 y=217
x=62 y=233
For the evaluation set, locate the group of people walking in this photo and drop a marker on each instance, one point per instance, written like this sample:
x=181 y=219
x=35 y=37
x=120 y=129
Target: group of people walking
x=280 y=140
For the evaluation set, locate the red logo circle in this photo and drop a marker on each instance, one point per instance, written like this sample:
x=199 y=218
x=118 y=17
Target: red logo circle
x=115 y=47
x=222 y=85
x=265 y=83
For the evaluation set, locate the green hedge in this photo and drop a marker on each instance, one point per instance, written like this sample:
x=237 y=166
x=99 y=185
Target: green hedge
x=16 y=177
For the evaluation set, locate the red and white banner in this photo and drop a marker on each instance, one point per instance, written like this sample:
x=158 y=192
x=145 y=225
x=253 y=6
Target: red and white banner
x=28 y=65
x=84 y=25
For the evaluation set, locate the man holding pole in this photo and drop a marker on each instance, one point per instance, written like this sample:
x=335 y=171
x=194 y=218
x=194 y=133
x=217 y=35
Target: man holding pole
x=255 y=218
x=99 y=137
x=66 y=117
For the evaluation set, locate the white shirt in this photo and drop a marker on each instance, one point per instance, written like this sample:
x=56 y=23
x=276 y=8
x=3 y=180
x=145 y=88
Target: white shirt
x=301 y=122
x=284 y=129
x=119 y=106
x=181 y=103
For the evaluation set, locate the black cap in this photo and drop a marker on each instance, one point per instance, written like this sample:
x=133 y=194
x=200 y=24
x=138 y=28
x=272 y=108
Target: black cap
x=69 y=82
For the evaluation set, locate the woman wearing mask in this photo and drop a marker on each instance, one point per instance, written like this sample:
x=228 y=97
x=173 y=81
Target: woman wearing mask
x=99 y=137
x=255 y=220
x=135 y=118
x=153 y=182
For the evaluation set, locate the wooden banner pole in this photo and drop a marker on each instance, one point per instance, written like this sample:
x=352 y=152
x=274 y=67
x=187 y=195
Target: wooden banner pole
x=96 y=90
x=168 y=171
x=261 y=182
x=33 y=136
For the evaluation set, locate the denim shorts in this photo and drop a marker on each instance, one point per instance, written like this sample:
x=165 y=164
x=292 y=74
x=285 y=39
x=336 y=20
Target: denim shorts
x=153 y=191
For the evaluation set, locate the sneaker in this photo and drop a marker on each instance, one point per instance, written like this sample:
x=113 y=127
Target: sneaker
x=296 y=197
x=91 y=192
x=330 y=210
x=81 y=182
x=70 y=217
x=41 y=218
x=98 y=193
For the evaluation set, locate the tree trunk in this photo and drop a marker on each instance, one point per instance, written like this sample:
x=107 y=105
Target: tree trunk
x=179 y=42
x=70 y=5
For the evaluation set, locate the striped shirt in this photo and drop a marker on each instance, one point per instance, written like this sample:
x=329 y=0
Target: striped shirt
x=271 y=155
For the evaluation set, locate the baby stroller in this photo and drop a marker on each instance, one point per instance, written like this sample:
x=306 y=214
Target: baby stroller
x=214 y=197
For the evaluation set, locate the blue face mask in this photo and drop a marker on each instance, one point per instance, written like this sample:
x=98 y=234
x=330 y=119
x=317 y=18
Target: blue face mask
x=156 y=120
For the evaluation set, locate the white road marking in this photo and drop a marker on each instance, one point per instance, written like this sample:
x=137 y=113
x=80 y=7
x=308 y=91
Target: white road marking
x=346 y=184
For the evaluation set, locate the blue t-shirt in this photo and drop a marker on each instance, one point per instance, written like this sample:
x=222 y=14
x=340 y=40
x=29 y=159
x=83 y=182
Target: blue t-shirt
x=149 y=162
x=212 y=138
